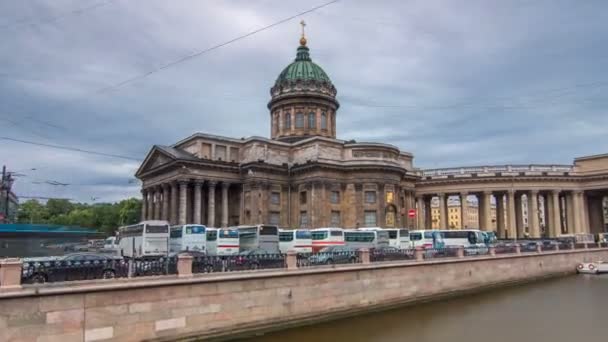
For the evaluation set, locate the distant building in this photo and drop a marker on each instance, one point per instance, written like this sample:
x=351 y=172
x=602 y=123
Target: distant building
x=454 y=214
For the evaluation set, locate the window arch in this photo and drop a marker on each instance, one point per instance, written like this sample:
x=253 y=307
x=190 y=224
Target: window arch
x=312 y=120
x=323 y=120
x=299 y=120
x=287 y=120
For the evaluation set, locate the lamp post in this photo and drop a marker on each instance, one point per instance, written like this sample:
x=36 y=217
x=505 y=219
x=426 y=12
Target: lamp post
x=6 y=185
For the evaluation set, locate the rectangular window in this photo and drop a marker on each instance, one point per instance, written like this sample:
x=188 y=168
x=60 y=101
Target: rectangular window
x=370 y=218
x=275 y=197
x=370 y=197
x=234 y=154
x=303 y=197
x=323 y=120
x=287 y=122
x=335 y=218
x=274 y=218
x=220 y=152
x=312 y=120
x=335 y=197
x=390 y=197
x=299 y=120
x=303 y=219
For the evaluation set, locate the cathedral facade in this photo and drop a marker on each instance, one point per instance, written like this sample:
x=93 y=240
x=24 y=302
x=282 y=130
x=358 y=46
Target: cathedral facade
x=302 y=176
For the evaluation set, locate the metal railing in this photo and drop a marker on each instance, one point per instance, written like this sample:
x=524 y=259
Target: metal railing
x=391 y=255
x=454 y=171
x=209 y=264
x=328 y=258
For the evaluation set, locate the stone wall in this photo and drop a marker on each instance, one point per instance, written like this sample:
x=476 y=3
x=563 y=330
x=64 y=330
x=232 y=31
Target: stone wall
x=212 y=305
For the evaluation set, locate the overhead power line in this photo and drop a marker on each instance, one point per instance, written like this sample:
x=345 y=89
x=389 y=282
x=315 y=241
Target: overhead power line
x=52 y=19
x=69 y=148
x=202 y=52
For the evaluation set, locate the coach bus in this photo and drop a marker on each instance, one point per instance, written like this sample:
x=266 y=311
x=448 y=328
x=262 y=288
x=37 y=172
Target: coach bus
x=299 y=240
x=145 y=239
x=222 y=241
x=188 y=238
x=366 y=238
x=261 y=236
x=324 y=237
x=473 y=240
x=426 y=239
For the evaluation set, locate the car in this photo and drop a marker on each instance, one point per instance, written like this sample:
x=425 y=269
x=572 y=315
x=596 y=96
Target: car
x=334 y=255
x=74 y=266
x=255 y=259
x=391 y=253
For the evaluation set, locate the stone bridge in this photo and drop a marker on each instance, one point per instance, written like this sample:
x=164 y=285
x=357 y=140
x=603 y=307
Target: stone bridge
x=567 y=198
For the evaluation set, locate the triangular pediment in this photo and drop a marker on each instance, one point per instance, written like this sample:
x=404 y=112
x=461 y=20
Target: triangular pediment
x=155 y=159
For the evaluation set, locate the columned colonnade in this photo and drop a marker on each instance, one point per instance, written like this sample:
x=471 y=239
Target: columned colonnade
x=565 y=211
x=183 y=201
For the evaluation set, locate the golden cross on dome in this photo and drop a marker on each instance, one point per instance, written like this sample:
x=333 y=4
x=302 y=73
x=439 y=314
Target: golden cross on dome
x=303 y=39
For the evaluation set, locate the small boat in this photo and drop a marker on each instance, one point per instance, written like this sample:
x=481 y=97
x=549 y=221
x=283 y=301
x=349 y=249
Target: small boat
x=592 y=267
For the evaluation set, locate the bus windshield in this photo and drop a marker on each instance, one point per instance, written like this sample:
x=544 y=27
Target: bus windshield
x=195 y=230
x=229 y=233
x=150 y=229
x=303 y=234
x=392 y=234
x=415 y=236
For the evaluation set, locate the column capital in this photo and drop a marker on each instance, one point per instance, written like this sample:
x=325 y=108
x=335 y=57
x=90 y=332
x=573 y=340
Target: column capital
x=534 y=192
x=577 y=192
x=198 y=183
x=441 y=195
x=211 y=183
x=487 y=192
x=226 y=185
x=183 y=183
x=556 y=192
x=165 y=186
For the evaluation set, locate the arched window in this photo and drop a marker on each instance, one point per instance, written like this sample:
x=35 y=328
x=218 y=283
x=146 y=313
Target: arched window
x=287 y=120
x=323 y=120
x=299 y=120
x=312 y=120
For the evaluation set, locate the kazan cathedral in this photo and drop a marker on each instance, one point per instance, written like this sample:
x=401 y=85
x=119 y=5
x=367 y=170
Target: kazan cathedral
x=302 y=176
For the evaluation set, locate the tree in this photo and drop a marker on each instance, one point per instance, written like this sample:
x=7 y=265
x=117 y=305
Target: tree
x=56 y=207
x=32 y=211
x=129 y=211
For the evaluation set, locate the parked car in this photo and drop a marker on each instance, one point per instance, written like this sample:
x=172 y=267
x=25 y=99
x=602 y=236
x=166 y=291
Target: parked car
x=75 y=266
x=334 y=255
x=255 y=259
x=391 y=253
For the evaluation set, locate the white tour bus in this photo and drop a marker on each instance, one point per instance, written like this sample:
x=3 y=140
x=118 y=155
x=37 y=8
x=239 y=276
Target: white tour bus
x=299 y=240
x=426 y=239
x=261 y=236
x=223 y=241
x=324 y=237
x=145 y=239
x=473 y=240
x=397 y=237
x=366 y=238
x=188 y=238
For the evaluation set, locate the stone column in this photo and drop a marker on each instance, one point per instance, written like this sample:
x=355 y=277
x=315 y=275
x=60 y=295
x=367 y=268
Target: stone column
x=420 y=212
x=519 y=216
x=555 y=217
x=487 y=211
x=500 y=215
x=211 y=204
x=165 y=203
x=144 y=204
x=570 y=210
x=585 y=214
x=428 y=217
x=511 y=225
x=157 y=200
x=174 y=210
x=183 y=193
x=198 y=194
x=225 y=187
x=577 y=208
x=150 y=214
x=464 y=210
x=533 y=214
x=443 y=211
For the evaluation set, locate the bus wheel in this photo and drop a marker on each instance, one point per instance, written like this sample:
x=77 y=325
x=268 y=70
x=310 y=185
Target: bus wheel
x=353 y=260
x=108 y=274
x=329 y=262
x=38 y=278
x=208 y=269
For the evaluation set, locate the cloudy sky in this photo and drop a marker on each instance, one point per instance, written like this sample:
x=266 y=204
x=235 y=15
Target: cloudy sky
x=454 y=82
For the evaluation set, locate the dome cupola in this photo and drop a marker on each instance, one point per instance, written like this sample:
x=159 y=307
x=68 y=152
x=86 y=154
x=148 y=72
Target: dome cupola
x=303 y=102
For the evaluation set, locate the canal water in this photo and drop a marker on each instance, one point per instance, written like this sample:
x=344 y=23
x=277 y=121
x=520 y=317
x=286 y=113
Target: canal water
x=568 y=309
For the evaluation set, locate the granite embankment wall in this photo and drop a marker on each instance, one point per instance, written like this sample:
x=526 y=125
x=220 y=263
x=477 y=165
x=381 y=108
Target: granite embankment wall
x=211 y=305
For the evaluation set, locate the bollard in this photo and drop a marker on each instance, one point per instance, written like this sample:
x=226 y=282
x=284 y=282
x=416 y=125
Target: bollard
x=492 y=251
x=130 y=268
x=572 y=245
x=539 y=248
x=586 y=245
x=517 y=249
x=557 y=246
x=184 y=265
x=460 y=252
x=291 y=259
x=10 y=274
x=364 y=255
x=419 y=253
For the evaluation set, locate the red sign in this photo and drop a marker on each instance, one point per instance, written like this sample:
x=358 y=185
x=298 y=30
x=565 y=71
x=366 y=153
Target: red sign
x=411 y=213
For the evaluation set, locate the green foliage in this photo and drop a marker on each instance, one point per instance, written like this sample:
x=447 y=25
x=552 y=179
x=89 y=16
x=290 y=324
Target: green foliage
x=105 y=217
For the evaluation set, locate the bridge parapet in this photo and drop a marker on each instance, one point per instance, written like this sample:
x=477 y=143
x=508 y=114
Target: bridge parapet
x=498 y=170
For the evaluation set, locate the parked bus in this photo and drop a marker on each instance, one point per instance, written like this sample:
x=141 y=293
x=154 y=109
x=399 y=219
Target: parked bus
x=323 y=237
x=426 y=239
x=145 y=239
x=188 y=238
x=366 y=238
x=473 y=240
x=299 y=240
x=222 y=241
x=260 y=236
x=397 y=237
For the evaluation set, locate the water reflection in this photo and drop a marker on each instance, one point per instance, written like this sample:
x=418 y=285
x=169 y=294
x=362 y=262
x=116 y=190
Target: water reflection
x=565 y=309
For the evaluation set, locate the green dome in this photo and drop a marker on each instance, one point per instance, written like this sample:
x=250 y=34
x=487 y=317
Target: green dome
x=302 y=69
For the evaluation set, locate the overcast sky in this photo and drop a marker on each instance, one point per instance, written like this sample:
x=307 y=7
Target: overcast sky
x=454 y=82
